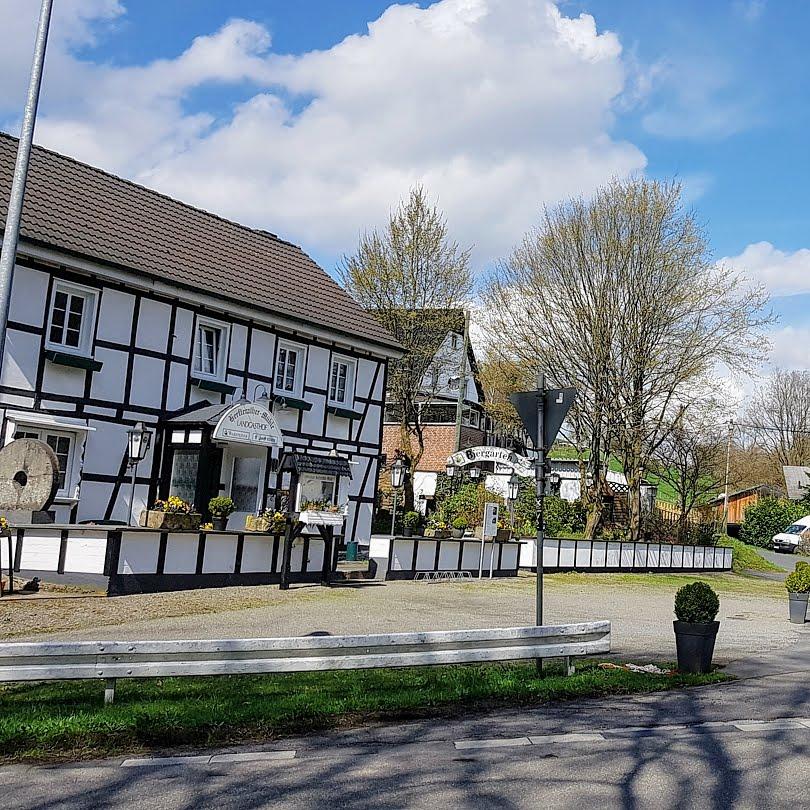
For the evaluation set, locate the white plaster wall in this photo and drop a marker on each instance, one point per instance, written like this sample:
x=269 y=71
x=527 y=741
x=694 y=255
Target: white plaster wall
x=262 y=352
x=108 y=383
x=85 y=552
x=181 y=553
x=40 y=551
x=115 y=316
x=147 y=381
x=257 y=554
x=176 y=395
x=139 y=552
x=152 y=331
x=183 y=326
x=63 y=380
x=28 y=295
x=315 y=558
x=93 y=501
x=220 y=554
x=22 y=357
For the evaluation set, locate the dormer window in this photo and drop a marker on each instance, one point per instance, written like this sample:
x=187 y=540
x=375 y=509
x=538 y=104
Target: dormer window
x=210 y=350
x=72 y=318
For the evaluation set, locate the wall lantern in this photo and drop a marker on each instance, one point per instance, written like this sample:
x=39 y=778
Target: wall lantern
x=554 y=479
x=450 y=469
x=514 y=486
x=138 y=441
x=475 y=473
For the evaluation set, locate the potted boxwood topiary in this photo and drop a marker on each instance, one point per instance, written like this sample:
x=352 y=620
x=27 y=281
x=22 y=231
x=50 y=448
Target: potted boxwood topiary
x=411 y=521
x=220 y=509
x=798 y=588
x=459 y=527
x=696 y=606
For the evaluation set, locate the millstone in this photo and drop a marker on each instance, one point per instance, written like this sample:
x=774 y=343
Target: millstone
x=29 y=475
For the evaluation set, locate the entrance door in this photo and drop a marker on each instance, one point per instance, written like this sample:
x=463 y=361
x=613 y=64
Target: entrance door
x=245 y=468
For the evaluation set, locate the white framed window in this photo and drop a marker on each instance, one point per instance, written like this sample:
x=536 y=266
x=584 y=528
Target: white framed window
x=290 y=362
x=341 y=381
x=210 y=349
x=72 y=318
x=471 y=418
x=62 y=443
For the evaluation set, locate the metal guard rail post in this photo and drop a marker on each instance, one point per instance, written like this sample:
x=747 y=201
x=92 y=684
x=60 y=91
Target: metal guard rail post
x=108 y=660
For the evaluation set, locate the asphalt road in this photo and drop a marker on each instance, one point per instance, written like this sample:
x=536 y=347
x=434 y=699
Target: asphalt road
x=691 y=748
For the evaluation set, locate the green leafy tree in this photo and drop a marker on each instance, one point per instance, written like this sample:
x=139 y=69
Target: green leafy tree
x=768 y=517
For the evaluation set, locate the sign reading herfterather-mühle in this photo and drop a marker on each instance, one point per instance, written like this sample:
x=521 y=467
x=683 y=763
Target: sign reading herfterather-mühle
x=248 y=423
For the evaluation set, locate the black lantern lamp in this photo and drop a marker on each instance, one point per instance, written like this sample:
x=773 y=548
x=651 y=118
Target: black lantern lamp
x=475 y=473
x=554 y=479
x=398 y=469
x=450 y=468
x=514 y=486
x=139 y=438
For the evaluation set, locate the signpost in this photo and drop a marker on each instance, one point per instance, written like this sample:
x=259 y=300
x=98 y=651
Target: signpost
x=490 y=531
x=542 y=413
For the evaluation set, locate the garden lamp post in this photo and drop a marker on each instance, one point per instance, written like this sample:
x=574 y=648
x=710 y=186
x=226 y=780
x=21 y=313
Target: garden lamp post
x=138 y=441
x=397 y=480
x=513 y=490
x=554 y=480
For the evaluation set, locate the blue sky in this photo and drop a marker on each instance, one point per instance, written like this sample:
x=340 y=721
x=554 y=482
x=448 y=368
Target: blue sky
x=498 y=106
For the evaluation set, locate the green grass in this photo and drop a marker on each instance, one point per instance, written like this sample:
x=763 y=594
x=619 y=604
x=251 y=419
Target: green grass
x=747 y=558
x=730 y=583
x=68 y=720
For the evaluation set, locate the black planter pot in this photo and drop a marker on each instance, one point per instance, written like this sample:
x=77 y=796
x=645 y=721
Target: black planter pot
x=695 y=645
x=219 y=523
x=407 y=531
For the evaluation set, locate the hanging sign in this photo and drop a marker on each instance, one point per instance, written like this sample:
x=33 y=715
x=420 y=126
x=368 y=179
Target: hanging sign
x=500 y=456
x=248 y=423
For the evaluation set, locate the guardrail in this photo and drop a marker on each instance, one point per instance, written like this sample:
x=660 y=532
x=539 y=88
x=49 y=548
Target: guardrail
x=108 y=660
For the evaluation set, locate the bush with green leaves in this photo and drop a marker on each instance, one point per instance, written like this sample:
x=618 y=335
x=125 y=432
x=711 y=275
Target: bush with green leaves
x=798 y=581
x=767 y=517
x=221 y=506
x=460 y=524
x=468 y=503
x=696 y=603
x=562 y=518
x=412 y=520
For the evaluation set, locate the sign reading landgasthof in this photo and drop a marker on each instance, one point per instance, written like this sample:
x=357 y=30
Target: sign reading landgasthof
x=499 y=455
x=248 y=423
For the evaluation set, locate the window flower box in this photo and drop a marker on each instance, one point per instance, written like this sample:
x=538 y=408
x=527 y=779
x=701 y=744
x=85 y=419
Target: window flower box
x=318 y=517
x=170 y=521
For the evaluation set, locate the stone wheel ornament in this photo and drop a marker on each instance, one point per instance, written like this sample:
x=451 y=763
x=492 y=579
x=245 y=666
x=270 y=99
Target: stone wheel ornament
x=29 y=475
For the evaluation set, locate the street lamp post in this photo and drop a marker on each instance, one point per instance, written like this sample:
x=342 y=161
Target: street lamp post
x=8 y=252
x=138 y=441
x=513 y=491
x=397 y=480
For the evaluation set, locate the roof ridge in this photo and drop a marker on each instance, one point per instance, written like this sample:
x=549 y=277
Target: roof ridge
x=155 y=192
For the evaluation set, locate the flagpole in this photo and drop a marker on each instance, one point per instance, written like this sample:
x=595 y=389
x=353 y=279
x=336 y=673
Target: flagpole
x=11 y=234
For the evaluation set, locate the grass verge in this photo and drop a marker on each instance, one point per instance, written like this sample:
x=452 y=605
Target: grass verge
x=68 y=721
x=747 y=558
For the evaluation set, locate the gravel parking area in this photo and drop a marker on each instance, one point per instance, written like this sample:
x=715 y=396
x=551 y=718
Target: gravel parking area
x=753 y=612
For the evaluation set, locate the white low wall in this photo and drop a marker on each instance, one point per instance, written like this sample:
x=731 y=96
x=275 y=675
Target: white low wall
x=610 y=555
x=404 y=557
x=142 y=560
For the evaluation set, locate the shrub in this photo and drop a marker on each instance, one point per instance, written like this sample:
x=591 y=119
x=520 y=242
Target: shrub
x=411 y=520
x=801 y=565
x=221 y=506
x=768 y=517
x=696 y=603
x=173 y=505
x=468 y=503
x=460 y=524
x=562 y=518
x=798 y=581
x=656 y=528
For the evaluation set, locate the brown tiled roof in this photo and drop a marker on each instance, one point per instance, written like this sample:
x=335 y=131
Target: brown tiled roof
x=88 y=212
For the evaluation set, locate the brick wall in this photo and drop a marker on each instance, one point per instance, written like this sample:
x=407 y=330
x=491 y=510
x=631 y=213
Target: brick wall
x=439 y=444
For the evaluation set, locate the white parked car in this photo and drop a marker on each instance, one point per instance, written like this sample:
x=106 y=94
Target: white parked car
x=788 y=540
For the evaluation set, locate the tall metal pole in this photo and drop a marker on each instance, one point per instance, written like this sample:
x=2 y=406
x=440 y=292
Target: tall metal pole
x=394 y=514
x=462 y=382
x=131 y=521
x=728 y=469
x=540 y=491
x=11 y=235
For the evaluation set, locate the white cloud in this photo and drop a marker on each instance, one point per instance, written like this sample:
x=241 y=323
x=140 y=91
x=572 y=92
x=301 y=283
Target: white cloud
x=781 y=272
x=789 y=347
x=497 y=106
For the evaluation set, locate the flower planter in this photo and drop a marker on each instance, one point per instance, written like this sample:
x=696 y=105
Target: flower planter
x=503 y=535
x=695 y=645
x=439 y=534
x=457 y=533
x=407 y=531
x=219 y=523
x=798 y=607
x=170 y=521
x=321 y=518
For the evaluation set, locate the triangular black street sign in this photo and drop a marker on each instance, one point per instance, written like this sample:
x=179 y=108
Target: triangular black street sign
x=558 y=403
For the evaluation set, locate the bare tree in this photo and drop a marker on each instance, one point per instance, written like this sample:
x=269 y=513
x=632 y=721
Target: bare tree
x=779 y=417
x=413 y=278
x=691 y=457
x=618 y=296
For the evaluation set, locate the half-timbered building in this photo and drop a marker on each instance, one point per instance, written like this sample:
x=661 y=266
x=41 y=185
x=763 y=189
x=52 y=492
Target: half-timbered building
x=129 y=306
